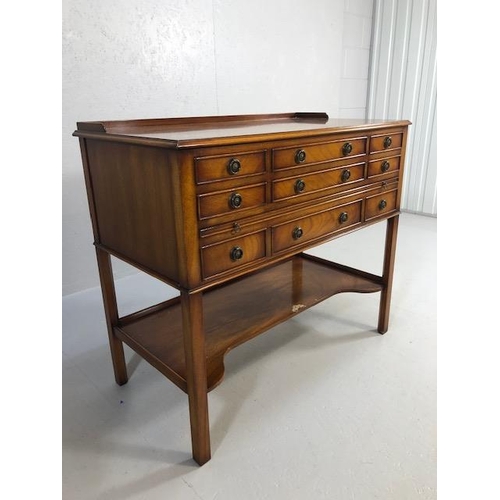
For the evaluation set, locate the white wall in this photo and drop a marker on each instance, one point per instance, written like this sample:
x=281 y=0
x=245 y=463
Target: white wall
x=154 y=58
x=355 y=58
x=403 y=84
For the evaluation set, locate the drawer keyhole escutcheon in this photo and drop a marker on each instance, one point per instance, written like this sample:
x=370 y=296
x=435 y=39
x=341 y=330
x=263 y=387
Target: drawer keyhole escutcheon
x=236 y=253
x=300 y=156
x=234 y=166
x=382 y=204
x=346 y=174
x=297 y=233
x=387 y=142
x=236 y=228
x=235 y=200
x=343 y=217
x=347 y=149
x=300 y=185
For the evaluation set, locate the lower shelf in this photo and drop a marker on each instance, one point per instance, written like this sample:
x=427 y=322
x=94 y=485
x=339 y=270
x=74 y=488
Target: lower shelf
x=238 y=311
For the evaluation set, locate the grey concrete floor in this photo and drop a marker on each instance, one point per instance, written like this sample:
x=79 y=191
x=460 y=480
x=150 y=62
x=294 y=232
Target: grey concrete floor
x=319 y=407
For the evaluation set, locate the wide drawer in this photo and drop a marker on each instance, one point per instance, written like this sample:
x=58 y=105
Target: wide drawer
x=231 y=200
x=318 y=181
x=229 y=166
x=231 y=254
x=383 y=166
x=303 y=230
x=385 y=142
x=380 y=204
x=291 y=157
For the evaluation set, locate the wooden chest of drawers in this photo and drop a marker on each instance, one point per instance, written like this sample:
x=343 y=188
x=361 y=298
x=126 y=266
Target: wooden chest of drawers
x=222 y=208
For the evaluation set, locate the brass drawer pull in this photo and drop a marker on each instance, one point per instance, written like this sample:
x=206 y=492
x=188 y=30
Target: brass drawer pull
x=347 y=149
x=297 y=233
x=236 y=253
x=300 y=156
x=346 y=174
x=300 y=185
x=235 y=200
x=382 y=204
x=234 y=166
x=343 y=217
x=387 y=142
x=385 y=166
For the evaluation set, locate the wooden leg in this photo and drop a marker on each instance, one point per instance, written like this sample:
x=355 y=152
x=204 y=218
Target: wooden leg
x=389 y=256
x=196 y=374
x=111 y=312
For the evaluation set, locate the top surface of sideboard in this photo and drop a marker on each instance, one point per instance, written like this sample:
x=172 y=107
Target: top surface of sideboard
x=221 y=130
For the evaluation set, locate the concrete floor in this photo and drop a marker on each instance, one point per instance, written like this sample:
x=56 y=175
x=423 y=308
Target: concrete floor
x=320 y=407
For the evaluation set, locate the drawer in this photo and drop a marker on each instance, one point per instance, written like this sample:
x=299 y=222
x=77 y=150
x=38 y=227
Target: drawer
x=231 y=254
x=291 y=157
x=303 y=230
x=222 y=167
x=318 y=181
x=385 y=142
x=380 y=204
x=383 y=166
x=231 y=200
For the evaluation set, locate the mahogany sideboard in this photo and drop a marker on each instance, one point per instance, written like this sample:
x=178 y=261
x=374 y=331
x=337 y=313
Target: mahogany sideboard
x=222 y=208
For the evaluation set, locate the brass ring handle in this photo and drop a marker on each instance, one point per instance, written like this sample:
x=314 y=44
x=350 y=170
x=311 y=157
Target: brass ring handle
x=347 y=148
x=385 y=166
x=382 y=204
x=387 y=142
x=235 y=200
x=297 y=233
x=346 y=174
x=236 y=253
x=300 y=185
x=300 y=156
x=234 y=166
x=343 y=217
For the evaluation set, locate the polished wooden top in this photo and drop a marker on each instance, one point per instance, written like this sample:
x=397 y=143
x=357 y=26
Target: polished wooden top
x=219 y=130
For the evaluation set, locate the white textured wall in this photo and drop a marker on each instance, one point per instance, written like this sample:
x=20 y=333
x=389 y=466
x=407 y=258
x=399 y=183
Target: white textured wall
x=154 y=58
x=403 y=84
x=355 y=58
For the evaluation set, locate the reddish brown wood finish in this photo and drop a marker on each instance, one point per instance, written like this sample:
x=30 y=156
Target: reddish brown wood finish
x=221 y=208
x=316 y=226
x=317 y=181
x=214 y=168
x=196 y=373
x=388 y=272
x=111 y=313
x=239 y=311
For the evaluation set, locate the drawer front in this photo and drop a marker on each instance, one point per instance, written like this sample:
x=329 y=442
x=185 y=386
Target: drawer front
x=318 y=181
x=233 y=253
x=299 y=231
x=383 y=166
x=303 y=155
x=234 y=200
x=222 y=167
x=380 y=204
x=385 y=142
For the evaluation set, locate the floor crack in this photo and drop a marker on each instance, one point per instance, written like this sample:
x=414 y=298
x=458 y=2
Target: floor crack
x=189 y=485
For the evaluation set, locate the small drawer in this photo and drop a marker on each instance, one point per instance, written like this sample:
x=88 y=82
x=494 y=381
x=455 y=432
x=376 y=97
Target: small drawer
x=222 y=167
x=234 y=253
x=296 y=156
x=383 y=166
x=385 y=142
x=231 y=200
x=380 y=204
x=300 y=231
x=318 y=181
